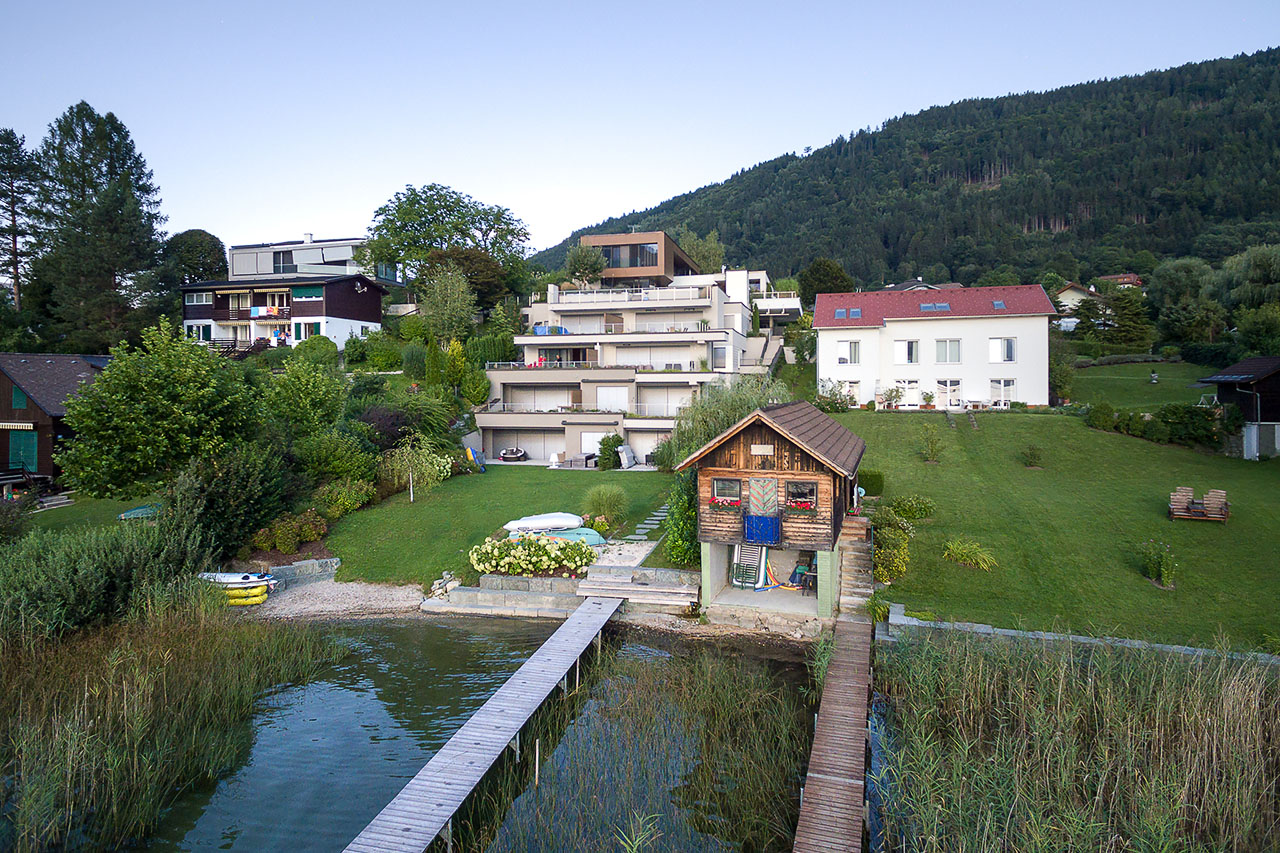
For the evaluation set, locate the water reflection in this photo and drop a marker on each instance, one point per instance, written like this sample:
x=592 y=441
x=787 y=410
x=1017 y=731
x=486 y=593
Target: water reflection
x=327 y=756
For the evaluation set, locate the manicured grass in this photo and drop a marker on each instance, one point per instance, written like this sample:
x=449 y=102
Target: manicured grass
x=802 y=379
x=91 y=511
x=1128 y=386
x=1065 y=536
x=399 y=542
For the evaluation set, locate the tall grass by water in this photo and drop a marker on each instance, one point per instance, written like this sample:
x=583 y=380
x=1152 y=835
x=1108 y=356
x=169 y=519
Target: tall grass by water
x=696 y=752
x=101 y=729
x=1021 y=746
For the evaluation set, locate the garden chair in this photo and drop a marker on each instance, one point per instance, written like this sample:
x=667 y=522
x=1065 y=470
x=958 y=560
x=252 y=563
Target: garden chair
x=1180 y=502
x=1216 y=506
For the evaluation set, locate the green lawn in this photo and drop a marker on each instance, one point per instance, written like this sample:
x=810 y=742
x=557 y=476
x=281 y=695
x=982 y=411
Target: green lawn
x=1065 y=536
x=1128 y=386
x=802 y=379
x=399 y=542
x=92 y=511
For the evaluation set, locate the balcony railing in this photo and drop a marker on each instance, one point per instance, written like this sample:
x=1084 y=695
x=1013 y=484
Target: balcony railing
x=256 y=312
x=668 y=367
x=641 y=410
x=774 y=294
x=687 y=326
x=647 y=294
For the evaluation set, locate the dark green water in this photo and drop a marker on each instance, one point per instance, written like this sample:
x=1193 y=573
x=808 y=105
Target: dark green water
x=327 y=756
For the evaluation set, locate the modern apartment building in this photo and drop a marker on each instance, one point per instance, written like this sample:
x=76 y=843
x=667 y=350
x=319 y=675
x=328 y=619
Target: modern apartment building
x=278 y=294
x=970 y=347
x=623 y=355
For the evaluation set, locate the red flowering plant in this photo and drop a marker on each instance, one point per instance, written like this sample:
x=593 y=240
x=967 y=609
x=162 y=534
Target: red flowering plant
x=725 y=504
x=798 y=506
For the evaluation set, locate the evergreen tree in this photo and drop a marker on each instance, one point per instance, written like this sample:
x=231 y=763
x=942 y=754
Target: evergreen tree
x=97 y=215
x=18 y=177
x=1129 y=325
x=824 y=275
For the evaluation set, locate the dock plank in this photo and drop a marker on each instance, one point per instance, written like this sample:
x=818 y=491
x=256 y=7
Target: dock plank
x=422 y=809
x=831 y=816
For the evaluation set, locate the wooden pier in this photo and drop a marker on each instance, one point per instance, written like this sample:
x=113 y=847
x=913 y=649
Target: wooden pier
x=426 y=805
x=832 y=811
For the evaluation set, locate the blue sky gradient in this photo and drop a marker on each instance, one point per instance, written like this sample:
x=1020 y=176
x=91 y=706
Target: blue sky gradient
x=266 y=120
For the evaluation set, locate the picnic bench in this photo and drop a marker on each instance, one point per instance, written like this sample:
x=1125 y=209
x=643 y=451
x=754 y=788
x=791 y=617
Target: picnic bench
x=1214 y=506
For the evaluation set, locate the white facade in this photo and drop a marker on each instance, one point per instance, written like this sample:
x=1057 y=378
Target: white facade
x=962 y=361
x=292 y=259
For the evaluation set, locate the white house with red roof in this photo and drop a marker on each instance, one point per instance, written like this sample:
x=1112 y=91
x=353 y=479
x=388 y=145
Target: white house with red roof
x=975 y=347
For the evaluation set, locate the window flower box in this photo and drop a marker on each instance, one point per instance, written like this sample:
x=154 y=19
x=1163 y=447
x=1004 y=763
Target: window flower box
x=725 y=505
x=800 y=508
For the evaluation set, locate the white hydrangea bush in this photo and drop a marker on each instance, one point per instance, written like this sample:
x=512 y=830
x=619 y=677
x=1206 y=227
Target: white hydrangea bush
x=530 y=555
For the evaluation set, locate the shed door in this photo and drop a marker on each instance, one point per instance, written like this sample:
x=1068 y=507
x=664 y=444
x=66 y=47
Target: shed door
x=22 y=449
x=762 y=524
x=762 y=496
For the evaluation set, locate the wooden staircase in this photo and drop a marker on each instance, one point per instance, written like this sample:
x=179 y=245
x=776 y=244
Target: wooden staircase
x=857 y=580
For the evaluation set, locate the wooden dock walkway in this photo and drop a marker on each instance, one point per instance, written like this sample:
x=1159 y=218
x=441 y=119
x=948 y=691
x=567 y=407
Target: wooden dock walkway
x=424 y=807
x=832 y=816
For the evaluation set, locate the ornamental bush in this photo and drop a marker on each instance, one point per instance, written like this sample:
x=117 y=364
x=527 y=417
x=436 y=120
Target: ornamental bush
x=343 y=496
x=1101 y=416
x=872 y=481
x=413 y=358
x=885 y=518
x=1158 y=564
x=530 y=555
x=891 y=556
x=608 y=458
x=333 y=455
x=913 y=506
x=287 y=533
x=607 y=499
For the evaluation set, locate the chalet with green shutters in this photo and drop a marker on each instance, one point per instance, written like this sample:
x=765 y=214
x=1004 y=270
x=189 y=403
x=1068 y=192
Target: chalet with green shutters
x=34 y=389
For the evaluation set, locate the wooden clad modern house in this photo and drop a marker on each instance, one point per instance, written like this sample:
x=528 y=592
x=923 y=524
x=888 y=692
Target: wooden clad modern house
x=34 y=389
x=773 y=494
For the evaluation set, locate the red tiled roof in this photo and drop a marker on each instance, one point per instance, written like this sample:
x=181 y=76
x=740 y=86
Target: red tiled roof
x=876 y=307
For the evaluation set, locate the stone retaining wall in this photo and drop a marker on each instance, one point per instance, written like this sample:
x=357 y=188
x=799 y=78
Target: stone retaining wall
x=305 y=571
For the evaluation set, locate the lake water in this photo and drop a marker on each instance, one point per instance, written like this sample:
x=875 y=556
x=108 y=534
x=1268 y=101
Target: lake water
x=327 y=756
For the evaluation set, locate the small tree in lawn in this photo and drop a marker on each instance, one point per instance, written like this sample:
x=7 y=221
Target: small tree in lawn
x=932 y=444
x=413 y=465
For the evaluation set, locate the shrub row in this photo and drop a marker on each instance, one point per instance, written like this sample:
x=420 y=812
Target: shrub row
x=529 y=555
x=1173 y=423
x=288 y=532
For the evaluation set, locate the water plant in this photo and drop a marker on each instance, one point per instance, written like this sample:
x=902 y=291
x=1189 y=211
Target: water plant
x=1016 y=745
x=705 y=749
x=100 y=730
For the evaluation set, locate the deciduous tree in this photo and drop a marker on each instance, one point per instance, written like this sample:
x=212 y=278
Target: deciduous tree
x=151 y=411
x=707 y=253
x=448 y=304
x=824 y=275
x=584 y=264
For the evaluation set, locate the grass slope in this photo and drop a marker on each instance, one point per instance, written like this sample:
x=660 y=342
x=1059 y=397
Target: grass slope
x=401 y=542
x=91 y=511
x=1064 y=536
x=1128 y=386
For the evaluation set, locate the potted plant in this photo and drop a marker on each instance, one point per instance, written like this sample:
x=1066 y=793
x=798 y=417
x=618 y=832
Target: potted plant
x=926 y=400
x=892 y=397
x=800 y=507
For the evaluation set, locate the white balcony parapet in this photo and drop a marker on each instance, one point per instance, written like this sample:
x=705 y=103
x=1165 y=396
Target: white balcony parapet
x=647 y=294
x=686 y=326
x=657 y=410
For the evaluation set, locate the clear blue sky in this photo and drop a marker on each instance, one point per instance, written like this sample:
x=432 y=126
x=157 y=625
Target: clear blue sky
x=266 y=120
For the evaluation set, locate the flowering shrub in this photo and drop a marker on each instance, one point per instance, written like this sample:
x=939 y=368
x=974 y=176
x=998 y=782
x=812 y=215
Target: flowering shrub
x=599 y=523
x=1157 y=562
x=891 y=556
x=530 y=555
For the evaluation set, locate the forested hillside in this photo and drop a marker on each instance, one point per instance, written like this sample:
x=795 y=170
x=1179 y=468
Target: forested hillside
x=1178 y=162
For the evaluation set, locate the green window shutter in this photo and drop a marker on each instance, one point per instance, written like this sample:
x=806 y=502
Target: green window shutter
x=19 y=398
x=308 y=291
x=297 y=331
x=315 y=328
x=22 y=449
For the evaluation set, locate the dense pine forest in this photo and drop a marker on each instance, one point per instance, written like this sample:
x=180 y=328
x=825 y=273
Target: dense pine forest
x=1172 y=163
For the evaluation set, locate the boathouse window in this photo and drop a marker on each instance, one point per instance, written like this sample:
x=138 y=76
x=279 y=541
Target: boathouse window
x=727 y=489
x=802 y=495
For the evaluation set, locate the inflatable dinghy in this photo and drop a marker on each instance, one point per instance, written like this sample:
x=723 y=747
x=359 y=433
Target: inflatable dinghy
x=585 y=534
x=232 y=580
x=546 y=522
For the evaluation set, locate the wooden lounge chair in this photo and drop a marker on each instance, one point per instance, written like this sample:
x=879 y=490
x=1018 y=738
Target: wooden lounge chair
x=1180 y=502
x=1216 y=507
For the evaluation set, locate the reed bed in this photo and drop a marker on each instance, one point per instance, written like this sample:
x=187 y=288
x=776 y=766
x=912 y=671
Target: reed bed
x=699 y=752
x=1021 y=746
x=100 y=730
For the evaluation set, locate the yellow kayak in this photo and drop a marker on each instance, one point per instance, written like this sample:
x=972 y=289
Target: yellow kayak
x=243 y=602
x=247 y=592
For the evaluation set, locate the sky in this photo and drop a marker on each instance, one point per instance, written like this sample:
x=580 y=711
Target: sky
x=266 y=120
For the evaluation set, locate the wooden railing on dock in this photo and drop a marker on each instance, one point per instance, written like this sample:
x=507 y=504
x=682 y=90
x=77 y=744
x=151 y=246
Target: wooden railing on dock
x=832 y=809
x=426 y=805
